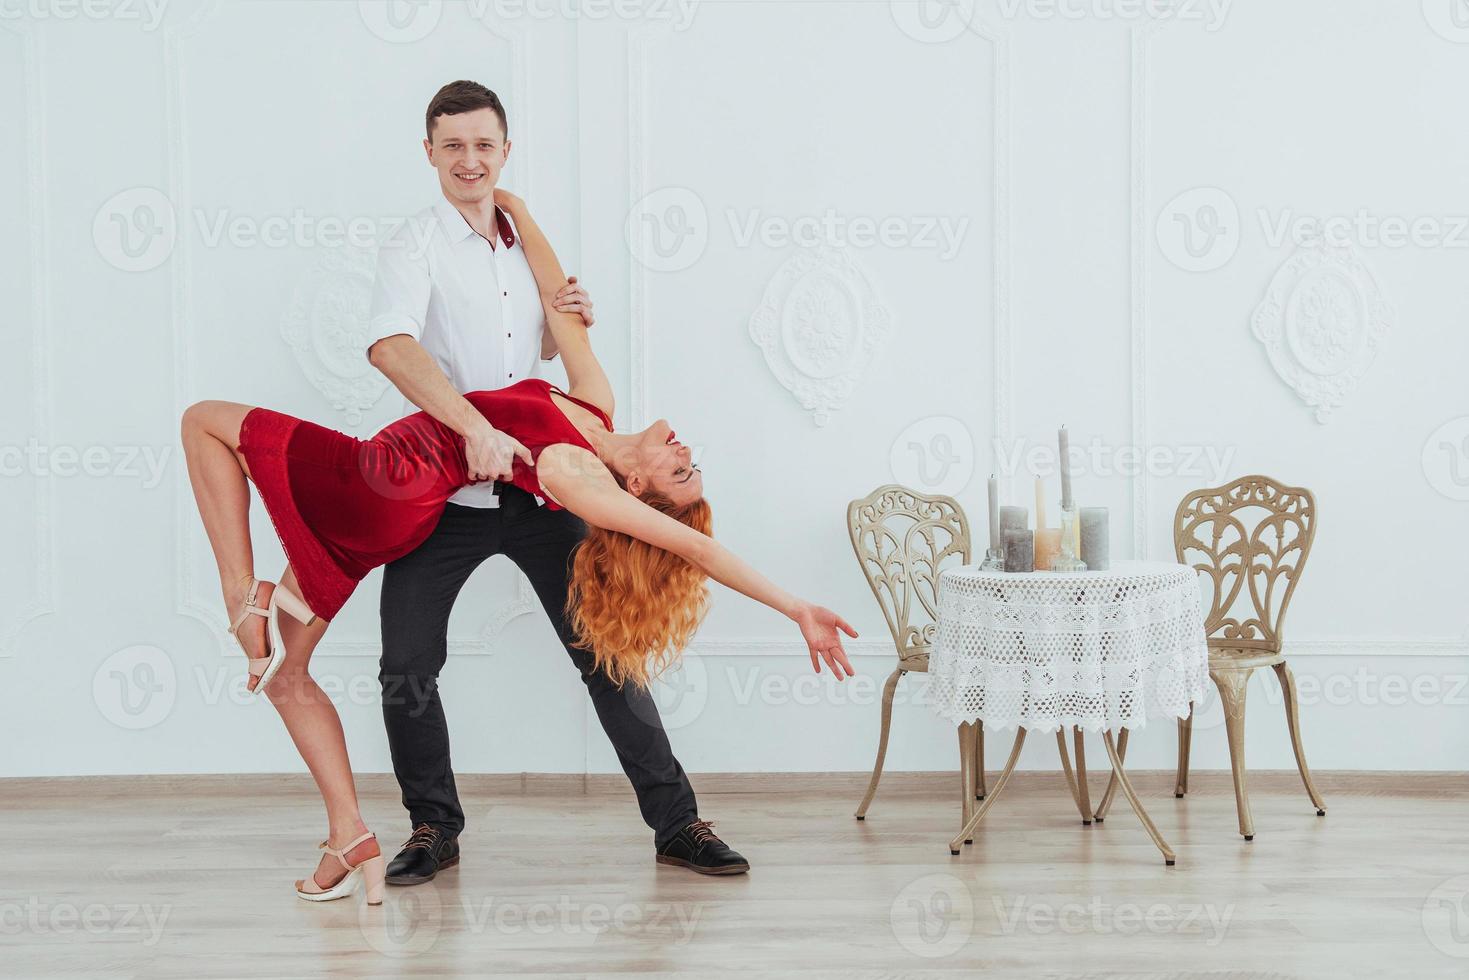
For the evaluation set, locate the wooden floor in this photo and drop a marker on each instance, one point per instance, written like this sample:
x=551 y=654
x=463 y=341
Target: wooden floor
x=191 y=877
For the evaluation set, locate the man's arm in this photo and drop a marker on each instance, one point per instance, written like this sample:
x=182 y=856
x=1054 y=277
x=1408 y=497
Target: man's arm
x=399 y=307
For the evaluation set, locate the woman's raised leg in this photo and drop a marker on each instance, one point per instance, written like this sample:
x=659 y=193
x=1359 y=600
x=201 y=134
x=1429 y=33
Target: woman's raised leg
x=210 y=432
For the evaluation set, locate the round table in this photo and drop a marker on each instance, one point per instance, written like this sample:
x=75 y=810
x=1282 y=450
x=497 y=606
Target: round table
x=1094 y=651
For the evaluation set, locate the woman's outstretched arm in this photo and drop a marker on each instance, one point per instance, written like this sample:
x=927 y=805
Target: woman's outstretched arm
x=597 y=499
x=584 y=375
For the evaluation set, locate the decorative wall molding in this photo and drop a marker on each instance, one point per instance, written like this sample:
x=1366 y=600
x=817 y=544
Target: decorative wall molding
x=188 y=537
x=326 y=327
x=639 y=40
x=820 y=326
x=1142 y=222
x=1321 y=322
x=42 y=577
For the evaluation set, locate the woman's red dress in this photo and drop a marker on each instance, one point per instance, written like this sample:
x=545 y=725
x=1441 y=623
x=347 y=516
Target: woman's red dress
x=343 y=506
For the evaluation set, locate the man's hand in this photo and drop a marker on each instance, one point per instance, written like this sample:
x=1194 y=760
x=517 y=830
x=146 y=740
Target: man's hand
x=819 y=627
x=573 y=298
x=491 y=454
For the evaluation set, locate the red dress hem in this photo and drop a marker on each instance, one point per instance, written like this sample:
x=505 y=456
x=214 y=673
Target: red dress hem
x=264 y=437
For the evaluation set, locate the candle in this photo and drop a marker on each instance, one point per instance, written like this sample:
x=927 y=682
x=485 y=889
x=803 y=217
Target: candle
x=1047 y=547
x=994 y=515
x=1064 y=438
x=1013 y=519
x=1040 y=504
x=1095 y=544
x=1019 y=550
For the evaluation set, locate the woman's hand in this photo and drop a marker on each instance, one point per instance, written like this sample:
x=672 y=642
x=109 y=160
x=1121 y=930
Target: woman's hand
x=820 y=627
x=510 y=202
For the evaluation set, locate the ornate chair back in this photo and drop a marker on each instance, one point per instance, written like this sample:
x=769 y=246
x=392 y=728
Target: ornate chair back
x=1251 y=538
x=902 y=538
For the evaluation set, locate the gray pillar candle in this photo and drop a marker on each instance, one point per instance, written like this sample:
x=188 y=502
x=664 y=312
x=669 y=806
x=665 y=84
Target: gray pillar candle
x=1013 y=518
x=1019 y=550
x=1095 y=544
x=996 y=542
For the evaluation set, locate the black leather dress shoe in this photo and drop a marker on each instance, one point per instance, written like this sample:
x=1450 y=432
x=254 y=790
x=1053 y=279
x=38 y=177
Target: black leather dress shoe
x=427 y=852
x=697 y=849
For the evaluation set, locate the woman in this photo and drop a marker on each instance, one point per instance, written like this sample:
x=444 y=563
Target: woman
x=342 y=506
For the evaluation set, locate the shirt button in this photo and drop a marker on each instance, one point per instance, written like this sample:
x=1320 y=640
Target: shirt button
x=505 y=294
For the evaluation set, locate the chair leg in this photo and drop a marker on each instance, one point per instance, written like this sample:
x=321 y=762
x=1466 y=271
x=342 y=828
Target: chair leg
x=1137 y=806
x=979 y=787
x=968 y=830
x=1083 y=793
x=1293 y=719
x=1233 y=683
x=882 y=742
x=1185 y=742
x=966 y=773
x=1106 y=803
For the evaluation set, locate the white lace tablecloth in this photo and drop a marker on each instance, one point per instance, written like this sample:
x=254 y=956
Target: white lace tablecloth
x=1103 y=650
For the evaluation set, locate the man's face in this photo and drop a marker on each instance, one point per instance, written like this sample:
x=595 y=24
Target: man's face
x=469 y=151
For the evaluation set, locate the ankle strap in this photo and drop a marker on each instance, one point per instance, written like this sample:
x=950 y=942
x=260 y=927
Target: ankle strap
x=250 y=606
x=341 y=853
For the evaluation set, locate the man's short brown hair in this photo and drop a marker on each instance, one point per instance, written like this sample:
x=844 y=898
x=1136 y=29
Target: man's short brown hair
x=459 y=97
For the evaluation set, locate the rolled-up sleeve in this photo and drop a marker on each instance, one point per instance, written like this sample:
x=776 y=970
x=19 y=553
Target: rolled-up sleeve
x=400 y=290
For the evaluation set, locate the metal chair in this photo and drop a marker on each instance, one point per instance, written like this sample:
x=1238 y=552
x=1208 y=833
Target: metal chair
x=902 y=538
x=1251 y=538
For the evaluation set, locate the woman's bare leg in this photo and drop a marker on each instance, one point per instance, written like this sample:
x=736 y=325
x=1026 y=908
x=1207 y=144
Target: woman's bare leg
x=219 y=475
x=312 y=720
x=210 y=432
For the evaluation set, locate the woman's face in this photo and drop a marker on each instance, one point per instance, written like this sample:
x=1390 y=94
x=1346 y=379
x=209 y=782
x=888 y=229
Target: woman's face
x=665 y=465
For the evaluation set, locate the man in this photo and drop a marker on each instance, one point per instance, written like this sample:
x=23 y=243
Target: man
x=456 y=309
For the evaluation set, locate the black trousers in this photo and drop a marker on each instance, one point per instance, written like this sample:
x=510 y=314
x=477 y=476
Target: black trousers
x=418 y=591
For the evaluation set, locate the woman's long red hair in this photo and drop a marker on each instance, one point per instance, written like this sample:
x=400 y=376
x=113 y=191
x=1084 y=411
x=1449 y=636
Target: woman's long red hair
x=633 y=605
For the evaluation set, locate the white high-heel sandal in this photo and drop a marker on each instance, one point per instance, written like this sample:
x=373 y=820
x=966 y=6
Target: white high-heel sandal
x=373 y=870
x=281 y=598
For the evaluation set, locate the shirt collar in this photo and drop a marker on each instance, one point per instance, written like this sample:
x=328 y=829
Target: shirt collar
x=457 y=229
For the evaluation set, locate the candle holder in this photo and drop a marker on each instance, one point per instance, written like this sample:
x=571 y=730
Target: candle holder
x=1067 y=560
x=994 y=560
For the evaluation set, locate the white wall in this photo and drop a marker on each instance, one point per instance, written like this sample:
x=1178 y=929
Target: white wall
x=670 y=154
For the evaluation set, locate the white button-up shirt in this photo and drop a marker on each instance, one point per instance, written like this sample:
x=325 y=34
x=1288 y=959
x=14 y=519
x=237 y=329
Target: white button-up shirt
x=472 y=304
